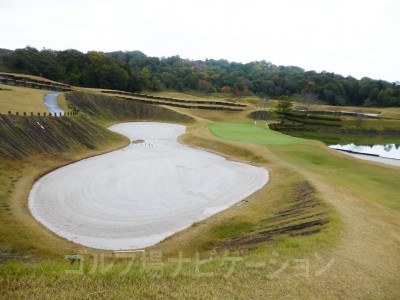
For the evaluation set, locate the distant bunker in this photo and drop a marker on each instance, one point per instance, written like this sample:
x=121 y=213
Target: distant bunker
x=137 y=196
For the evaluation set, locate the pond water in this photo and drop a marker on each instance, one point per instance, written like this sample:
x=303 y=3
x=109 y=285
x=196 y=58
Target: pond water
x=385 y=150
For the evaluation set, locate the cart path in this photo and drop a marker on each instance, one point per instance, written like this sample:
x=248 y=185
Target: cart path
x=50 y=101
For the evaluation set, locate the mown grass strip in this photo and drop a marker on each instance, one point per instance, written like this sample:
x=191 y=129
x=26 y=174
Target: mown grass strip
x=382 y=181
x=252 y=134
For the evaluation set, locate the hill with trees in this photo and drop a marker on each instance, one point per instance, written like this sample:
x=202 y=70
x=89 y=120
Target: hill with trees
x=133 y=71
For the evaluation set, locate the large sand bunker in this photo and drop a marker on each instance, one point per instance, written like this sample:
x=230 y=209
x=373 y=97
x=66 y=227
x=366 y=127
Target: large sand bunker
x=137 y=196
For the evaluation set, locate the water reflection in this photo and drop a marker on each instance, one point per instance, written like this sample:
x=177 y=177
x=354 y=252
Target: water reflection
x=387 y=150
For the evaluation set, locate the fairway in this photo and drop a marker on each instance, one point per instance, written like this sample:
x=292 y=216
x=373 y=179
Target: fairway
x=249 y=133
x=313 y=157
x=315 y=208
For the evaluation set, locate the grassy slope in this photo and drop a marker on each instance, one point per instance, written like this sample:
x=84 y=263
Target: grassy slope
x=321 y=160
x=26 y=136
x=106 y=109
x=393 y=112
x=62 y=102
x=46 y=277
x=31 y=77
x=365 y=194
x=357 y=222
x=196 y=95
x=20 y=99
x=346 y=129
x=21 y=237
x=385 y=112
x=371 y=124
x=29 y=151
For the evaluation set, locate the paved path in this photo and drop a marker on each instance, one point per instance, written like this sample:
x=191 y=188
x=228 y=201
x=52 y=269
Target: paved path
x=50 y=101
x=137 y=196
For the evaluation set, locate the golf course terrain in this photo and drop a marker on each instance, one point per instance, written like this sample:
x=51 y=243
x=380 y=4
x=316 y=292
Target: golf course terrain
x=288 y=218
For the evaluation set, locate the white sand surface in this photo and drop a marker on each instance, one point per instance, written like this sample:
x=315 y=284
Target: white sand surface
x=137 y=196
x=383 y=160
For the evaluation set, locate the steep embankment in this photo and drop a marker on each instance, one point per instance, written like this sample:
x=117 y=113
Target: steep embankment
x=106 y=108
x=23 y=136
x=31 y=146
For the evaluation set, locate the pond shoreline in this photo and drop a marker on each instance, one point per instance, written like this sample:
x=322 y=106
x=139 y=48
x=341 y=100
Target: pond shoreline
x=386 y=161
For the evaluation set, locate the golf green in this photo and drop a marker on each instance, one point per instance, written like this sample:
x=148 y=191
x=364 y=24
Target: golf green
x=250 y=133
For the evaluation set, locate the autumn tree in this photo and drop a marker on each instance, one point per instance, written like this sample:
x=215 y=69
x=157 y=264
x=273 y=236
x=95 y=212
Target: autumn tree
x=226 y=89
x=284 y=107
x=204 y=86
x=134 y=71
x=307 y=103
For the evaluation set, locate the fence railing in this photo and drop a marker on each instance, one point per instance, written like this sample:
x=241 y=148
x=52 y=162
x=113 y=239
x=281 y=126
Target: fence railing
x=44 y=114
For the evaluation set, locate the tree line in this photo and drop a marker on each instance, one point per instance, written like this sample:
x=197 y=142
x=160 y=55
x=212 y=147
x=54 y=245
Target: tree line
x=134 y=71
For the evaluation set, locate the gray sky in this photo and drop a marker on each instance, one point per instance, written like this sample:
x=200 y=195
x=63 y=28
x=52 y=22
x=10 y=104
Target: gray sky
x=353 y=37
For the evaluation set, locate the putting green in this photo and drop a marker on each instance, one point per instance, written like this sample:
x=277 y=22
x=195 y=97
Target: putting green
x=250 y=133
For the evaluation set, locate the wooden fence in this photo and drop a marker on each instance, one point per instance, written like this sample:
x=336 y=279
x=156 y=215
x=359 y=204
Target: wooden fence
x=44 y=114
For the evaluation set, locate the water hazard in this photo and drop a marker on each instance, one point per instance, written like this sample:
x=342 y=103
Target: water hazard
x=391 y=151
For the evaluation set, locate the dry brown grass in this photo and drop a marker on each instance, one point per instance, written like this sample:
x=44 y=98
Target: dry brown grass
x=62 y=102
x=21 y=99
x=31 y=77
x=362 y=237
x=34 y=239
x=370 y=237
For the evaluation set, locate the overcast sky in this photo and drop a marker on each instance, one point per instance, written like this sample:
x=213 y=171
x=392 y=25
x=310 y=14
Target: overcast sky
x=349 y=37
